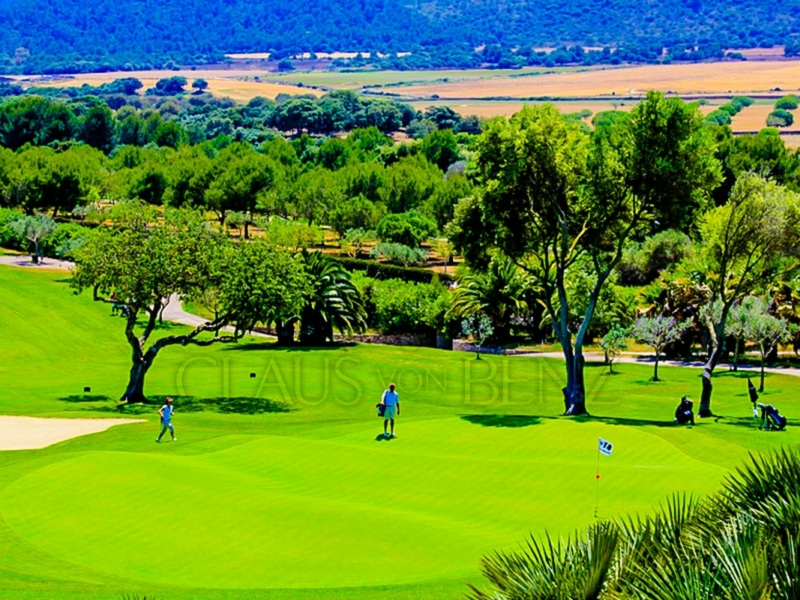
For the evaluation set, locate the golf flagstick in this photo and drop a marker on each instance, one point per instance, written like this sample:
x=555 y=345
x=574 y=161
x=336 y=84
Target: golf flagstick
x=603 y=447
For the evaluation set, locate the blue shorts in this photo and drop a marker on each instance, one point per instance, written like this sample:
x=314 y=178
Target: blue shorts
x=390 y=412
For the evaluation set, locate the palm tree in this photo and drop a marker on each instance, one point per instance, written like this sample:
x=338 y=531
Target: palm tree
x=499 y=293
x=741 y=543
x=335 y=302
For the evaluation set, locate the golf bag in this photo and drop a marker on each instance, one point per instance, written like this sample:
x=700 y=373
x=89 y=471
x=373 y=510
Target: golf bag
x=684 y=414
x=771 y=419
x=381 y=409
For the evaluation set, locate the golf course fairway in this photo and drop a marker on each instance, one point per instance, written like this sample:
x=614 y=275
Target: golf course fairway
x=280 y=484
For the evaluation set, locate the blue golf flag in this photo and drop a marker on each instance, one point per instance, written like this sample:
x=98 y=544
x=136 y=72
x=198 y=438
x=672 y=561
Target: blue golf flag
x=605 y=447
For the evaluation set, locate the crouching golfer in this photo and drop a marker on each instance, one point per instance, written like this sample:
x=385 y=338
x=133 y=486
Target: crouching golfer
x=166 y=412
x=391 y=402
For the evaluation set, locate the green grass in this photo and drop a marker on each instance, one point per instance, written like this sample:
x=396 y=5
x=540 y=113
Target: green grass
x=359 y=79
x=278 y=488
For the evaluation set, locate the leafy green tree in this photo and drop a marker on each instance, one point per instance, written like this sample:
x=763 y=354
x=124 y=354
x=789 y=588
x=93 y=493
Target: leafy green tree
x=354 y=213
x=478 y=327
x=441 y=148
x=98 y=129
x=553 y=194
x=316 y=192
x=780 y=118
x=146 y=262
x=658 y=332
x=169 y=86
x=132 y=130
x=244 y=182
x=169 y=134
x=408 y=184
x=333 y=154
x=766 y=330
x=736 y=325
x=199 y=85
x=613 y=343
x=409 y=229
x=741 y=246
x=34 y=229
x=34 y=120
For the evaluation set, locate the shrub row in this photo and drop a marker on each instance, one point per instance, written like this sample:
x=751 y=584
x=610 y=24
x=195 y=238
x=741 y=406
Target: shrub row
x=378 y=270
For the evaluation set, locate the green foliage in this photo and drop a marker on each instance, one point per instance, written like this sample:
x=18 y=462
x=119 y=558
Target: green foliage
x=294 y=235
x=780 y=118
x=501 y=293
x=334 y=302
x=441 y=148
x=354 y=213
x=658 y=332
x=354 y=241
x=741 y=542
x=400 y=254
x=613 y=343
x=642 y=262
x=34 y=229
x=402 y=307
x=789 y=102
x=409 y=229
x=376 y=270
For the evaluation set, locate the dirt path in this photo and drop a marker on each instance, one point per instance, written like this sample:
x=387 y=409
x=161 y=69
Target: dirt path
x=647 y=359
x=24 y=260
x=31 y=433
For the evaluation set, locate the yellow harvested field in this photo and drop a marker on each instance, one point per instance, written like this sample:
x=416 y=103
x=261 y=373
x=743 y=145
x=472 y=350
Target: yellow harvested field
x=236 y=84
x=754 y=118
x=688 y=79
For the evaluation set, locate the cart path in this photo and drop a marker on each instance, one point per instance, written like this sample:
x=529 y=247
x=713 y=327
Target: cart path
x=648 y=359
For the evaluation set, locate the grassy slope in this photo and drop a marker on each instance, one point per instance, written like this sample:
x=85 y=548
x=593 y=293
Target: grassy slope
x=251 y=499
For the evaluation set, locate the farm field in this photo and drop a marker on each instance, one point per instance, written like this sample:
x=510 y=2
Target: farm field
x=279 y=485
x=396 y=81
x=729 y=78
x=236 y=84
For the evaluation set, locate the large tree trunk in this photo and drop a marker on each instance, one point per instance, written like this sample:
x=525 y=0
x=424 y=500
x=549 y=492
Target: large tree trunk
x=708 y=370
x=285 y=332
x=655 y=369
x=575 y=392
x=761 y=387
x=717 y=335
x=134 y=393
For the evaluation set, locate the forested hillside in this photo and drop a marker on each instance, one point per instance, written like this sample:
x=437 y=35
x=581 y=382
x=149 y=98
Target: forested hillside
x=50 y=34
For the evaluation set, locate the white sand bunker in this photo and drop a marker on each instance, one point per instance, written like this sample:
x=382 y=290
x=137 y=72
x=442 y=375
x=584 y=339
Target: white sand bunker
x=30 y=433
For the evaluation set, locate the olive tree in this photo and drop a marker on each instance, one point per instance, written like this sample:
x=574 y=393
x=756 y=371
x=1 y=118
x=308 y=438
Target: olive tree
x=143 y=262
x=742 y=246
x=553 y=194
x=657 y=332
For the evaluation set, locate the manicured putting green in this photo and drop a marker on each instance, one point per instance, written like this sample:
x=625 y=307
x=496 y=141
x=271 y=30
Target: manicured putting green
x=307 y=503
x=283 y=512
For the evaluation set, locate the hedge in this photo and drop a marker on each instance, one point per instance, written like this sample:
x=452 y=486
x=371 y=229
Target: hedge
x=378 y=270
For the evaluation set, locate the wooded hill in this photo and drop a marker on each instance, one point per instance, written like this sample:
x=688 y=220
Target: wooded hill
x=68 y=35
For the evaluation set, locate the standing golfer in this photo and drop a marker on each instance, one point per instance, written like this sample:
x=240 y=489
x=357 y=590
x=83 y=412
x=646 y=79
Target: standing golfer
x=391 y=402
x=166 y=412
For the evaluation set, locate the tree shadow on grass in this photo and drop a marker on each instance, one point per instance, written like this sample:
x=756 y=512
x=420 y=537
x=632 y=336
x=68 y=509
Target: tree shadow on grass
x=85 y=398
x=239 y=405
x=626 y=421
x=504 y=420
